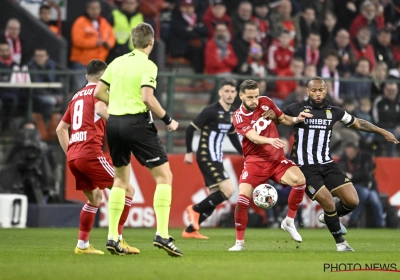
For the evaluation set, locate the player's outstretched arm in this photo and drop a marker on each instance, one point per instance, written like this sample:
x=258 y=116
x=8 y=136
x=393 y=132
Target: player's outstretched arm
x=289 y=120
x=62 y=134
x=253 y=136
x=363 y=125
x=101 y=92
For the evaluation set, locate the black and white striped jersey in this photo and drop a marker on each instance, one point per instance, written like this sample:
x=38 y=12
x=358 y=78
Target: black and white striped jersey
x=213 y=123
x=312 y=137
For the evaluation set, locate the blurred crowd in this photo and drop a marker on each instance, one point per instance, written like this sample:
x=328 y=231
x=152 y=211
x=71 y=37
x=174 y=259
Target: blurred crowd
x=356 y=39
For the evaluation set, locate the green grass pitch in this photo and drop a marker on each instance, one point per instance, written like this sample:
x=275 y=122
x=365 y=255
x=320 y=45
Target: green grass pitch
x=269 y=254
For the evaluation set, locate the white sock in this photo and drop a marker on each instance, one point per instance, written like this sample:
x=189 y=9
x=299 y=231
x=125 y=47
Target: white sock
x=120 y=237
x=289 y=221
x=240 y=241
x=82 y=244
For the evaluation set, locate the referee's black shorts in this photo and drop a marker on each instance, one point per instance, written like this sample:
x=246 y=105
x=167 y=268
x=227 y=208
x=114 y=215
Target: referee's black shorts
x=319 y=175
x=134 y=133
x=213 y=171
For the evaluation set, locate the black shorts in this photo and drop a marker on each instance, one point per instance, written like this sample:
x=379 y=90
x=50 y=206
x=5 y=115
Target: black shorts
x=213 y=172
x=328 y=175
x=134 y=133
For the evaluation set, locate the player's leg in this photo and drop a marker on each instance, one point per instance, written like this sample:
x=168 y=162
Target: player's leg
x=362 y=193
x=241 y=214
x=86 y=219
x=89 y=210
x=348 y=198
x=331 y=218
x=293 y=177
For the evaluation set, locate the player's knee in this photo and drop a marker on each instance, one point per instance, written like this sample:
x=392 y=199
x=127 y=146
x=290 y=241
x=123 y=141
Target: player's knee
x=353 y=202
x=228 y=192
x=326 y=203
x=96 y=199
x=298 y=180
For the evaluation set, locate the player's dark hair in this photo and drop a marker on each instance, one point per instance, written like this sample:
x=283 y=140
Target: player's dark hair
x=248 y=84
x=142 y=35
x=44 y=7
x=229 y=82
x=95 y=66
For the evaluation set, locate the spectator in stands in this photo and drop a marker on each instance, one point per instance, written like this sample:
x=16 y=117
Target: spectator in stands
x=124 y=20
x=359 y=168
x=386 y=114
x=369 y=17
x=280 y=54
x=44 y=100
x=44 y=16
x=363 y=111
x=187 y=35
x=241 y=17
x=285 y=87
x=220 y=57
x=383 y=49
x=395 y=72
x=255 y=65
x=241 y=45
x=165 y=19
x=92 y=38
x=261 y=19
x=281 y=19
x=329 y=70
x=379 y=74
x=321 y=8
x=345 y=52
x=310 y=71
x=361 y=46
x=215 y=14
x=361 y=88
x=328 y=30
x=310 y=52
x=347 y=11
x=18 y=48
x=305 y=23
x=10 y=97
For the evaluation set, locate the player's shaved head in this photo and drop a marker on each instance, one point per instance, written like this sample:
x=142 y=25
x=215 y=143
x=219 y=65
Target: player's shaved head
x=316 y=81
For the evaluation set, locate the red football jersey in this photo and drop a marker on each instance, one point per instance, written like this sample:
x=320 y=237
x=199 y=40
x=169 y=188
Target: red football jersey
x=244 y=121
x=86 y=127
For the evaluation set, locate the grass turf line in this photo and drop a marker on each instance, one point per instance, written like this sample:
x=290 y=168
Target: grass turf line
x=269 y=254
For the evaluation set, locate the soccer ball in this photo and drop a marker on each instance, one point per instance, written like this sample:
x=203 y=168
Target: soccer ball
x=265 y=196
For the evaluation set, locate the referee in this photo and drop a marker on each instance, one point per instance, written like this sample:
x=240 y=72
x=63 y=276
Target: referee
x=128 y=86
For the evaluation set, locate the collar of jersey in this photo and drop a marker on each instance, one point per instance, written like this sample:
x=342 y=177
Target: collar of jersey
x=246 y=114
x=139 y=53
x=91 y=84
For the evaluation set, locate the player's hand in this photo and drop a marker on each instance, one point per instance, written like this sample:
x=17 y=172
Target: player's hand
x=269 y=114
x=276 y=142
x=188 y=158
x=173 y=125
x=302 y=116
x=390 y=137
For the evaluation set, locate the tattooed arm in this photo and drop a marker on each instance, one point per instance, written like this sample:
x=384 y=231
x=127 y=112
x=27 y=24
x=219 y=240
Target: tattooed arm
x=363 y=125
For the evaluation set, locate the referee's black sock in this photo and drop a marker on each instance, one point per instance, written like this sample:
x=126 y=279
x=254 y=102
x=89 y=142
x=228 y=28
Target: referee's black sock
x=332 y=222
x=342 y=210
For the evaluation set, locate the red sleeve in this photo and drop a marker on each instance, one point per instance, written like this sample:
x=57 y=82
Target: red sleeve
x=67 y=116
x=241 y=124
x=271 y=104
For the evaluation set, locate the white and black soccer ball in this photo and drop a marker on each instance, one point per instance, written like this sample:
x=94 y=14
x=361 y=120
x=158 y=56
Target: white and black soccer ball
x=265 y=196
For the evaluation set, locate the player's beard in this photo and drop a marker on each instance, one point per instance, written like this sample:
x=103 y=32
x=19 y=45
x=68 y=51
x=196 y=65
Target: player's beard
x=319 y=104
x=248 y=108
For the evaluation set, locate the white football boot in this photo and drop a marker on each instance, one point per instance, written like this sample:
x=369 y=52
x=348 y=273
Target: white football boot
x=239 y=246
x=344 y=247
x=291 y=230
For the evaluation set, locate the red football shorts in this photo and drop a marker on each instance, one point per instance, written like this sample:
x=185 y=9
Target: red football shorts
x=91 y=173
x=257 y=173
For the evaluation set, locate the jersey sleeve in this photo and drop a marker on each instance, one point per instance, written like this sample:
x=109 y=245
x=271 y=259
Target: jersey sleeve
x=276 y=110
x=149 y=75
x=106 y=77
x=291 y=110
x=205 y=117
x=241 y=123
x=67 y=116
x=345 y=118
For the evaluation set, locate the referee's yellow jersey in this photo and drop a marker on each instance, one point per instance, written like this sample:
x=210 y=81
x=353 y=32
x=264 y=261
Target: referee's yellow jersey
x=125 y=76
